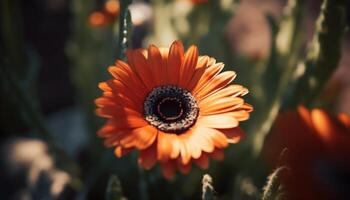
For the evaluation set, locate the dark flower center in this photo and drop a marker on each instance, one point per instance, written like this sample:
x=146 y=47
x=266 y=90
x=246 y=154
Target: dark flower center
x=170 y=109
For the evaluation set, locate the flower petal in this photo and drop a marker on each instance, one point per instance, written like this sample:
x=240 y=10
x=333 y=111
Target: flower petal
x=184 y=151
x=217 y=154
x=185 y=169
x=202 y=162
x=120 y=151
x=219 y=139
x=148 y=157
x=168 y=169
x=175 y=59
x=229 y=91
x=155 y=61
x=223 y=121
x=222 y=105
x=215 y=84
x=204 y=141
x=202 y=77
x=233 y=135
x=105 y=87
x=164 y=146
x=189 y=65
x=141 y=138
x=141 y=67
x=176 y=146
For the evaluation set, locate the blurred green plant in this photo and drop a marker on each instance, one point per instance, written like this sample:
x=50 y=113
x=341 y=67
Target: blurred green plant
x=273 y=190
x=114 y=189
x=323 y=55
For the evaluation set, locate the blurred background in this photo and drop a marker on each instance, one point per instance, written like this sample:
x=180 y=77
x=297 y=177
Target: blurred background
x=54 y=52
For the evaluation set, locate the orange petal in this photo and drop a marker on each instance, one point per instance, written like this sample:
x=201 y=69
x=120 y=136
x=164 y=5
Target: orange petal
x=109 y=128
x=155 y=61
x=192 y=143
x=194 y=82
x=240 y=115
x=129 y=74
x=114 y=140
x=176 y=146
x=185 y=169
x=130 y=121
x=194 y=147
x=124 y=90
x=175 y=58
x=233 y=135
x=229 y=91
x=219 y=139
x=189 y=65
x=201 y=79
x=127 y=102
x=164 y=146
x=117 y=100
x=141 y=138
x=120 y=151
x=103 y=101
x=184 y=151
x=202 y=162
x=168 y=169
x=116 y=111
x=204 y=141
x=148 y=157
x=108 y=94
x=202 y=61
x=221 y=105
x=217 y=154
x=140 y=64
x=218 y=82
x=104 y=86
x=211 y=61
x=223 y=121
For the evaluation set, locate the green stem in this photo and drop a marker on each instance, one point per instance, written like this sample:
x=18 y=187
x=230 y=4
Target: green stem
x=125 y=26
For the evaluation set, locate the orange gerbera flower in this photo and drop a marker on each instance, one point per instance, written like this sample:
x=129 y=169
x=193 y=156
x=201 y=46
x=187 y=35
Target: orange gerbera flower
x=318 y=153
x=174 y=107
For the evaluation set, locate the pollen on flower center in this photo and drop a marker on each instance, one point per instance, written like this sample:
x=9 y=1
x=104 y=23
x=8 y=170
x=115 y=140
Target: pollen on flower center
x=170 y=109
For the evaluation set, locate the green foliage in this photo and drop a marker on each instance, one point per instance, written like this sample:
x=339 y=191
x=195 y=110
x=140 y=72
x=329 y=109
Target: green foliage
x=324 y=53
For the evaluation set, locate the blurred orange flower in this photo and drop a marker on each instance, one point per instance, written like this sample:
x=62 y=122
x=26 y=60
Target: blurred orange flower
x=318 y=149
x=107 y=16
x=175 y=107
x=199 y=1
